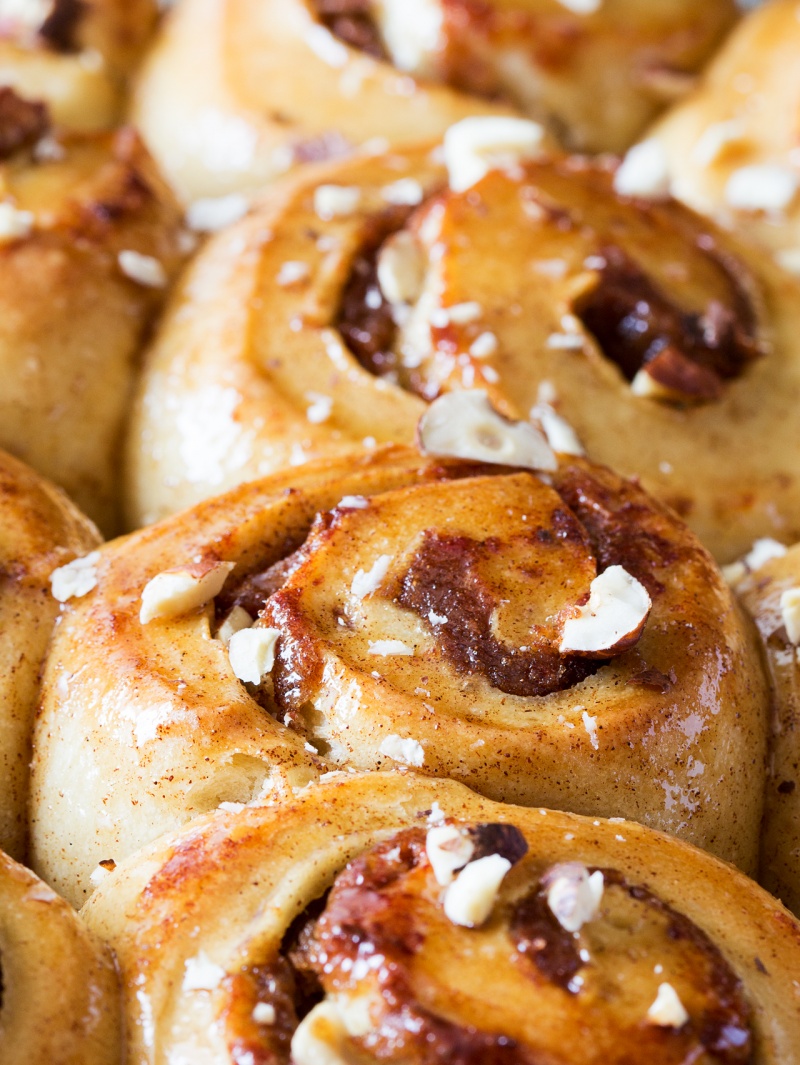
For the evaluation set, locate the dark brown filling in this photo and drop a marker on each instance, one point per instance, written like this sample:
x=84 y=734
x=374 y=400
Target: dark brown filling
x=22 y=122
x=60 y=29
x=351 y=22
x=444 y=578
x=640 y=328
x=365 y=316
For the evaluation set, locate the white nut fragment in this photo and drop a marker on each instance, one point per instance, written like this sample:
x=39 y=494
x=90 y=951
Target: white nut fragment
x=76 y=579
x=759 y=554
x=465 y=425
x=178 y=591
x=560 y=434
x=14 y=224
x=590 y=724
x=292 y=272
x=411 y=31
x=389 y=647
x=789 y=260
x=768 y=187
x=201 y=973
x=320 y=407
x=612 y=619
x=321 y=1037
x=449 y=848
x=264 y=1013
x=790 y=611
x=236 y=620
x=667 y=1011
x=401 y=268
x=252 y=653
x=407 y=192
x=211 y=213
x=368 y=581
x=474 y=146
x=582 y=7
x=143 y=269
x=574 y=894
x=405 y=751
x=483 y=345
x=469 y=900
x=644 y=172
x=335 y=201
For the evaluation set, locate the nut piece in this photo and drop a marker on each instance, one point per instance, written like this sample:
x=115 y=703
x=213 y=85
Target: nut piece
x=201 y=973
x=559 y=433
x=401 y=268
x=470 y=898
x=790 y=609
x=474 y=146
x=759 y=554
x=334 y=201
x=321 y=1037
x=448 y=848
x=75 y=579
x=252 y=653
x=405 y=751
x=14 y=224
x=767 y=187
x=143 y=269
x=264 y=1013
x=237 y=619
x=211 y=213
x=573 y=894
x=465 y=425
x=177 y=591
x=613 y=618
x=644 y=172
x=368 y=581
x=667 y=1011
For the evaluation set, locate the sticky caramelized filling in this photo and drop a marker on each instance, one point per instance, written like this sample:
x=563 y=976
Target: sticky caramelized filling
x=397 y=975
x=638 y=327
x=22 y=122
x=352 y=22
x=60 y=28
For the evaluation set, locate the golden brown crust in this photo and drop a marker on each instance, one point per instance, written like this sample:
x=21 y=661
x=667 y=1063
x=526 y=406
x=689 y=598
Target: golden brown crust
x=39 y=531
x=198 y=969
x=744 y=114
x=672 y=355
x=648 y=735
x=780 y=848
x=71 y=321
x=235 y=92
x=60 y=990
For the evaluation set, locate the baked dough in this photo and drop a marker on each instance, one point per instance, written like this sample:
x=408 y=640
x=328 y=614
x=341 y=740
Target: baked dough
x=762 y=593
x=210 y=927
x=40 y=530
x=236 y=92
x=60 y=1000
x=671 y=352
x=407 y=633
x=77 y=216
x=732 y=146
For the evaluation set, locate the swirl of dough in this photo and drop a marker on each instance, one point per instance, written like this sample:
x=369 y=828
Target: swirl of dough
x=236 y=92
x=385 y=917
x=320 y=322
x=731 y=147
x=59 y=1001
x=75 y=55
x=559 y=640
x=89 y=239
x=771 y=595
x=40 y=530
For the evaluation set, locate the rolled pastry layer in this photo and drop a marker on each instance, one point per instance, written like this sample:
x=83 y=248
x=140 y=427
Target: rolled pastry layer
x=386 y=917
x=560 y=640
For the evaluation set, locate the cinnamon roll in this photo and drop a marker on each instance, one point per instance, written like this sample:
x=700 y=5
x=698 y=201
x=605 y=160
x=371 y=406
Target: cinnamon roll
x=40 y=530
x=560 y=640
x=236 y=92
x=390 y=918
x=89 y=238
x=74 y=55
x=60 y=990
x=731 y=148
x=771 y=594
x=332 y=314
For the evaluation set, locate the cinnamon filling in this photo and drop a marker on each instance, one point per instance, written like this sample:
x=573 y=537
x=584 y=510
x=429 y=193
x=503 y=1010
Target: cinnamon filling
x=60 y=29
x=639 y=328
x=351 y=22
x=22 y=122
x=384 y=944
x=365 y=316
